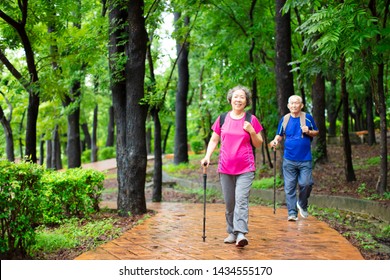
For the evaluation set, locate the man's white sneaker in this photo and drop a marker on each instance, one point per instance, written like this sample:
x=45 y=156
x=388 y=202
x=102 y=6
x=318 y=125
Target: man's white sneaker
x=302 y=212
x=292 y=218
x=230 y=239
x=241 y=240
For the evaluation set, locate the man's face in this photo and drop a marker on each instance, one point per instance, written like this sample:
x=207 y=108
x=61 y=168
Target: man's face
x=295 y=105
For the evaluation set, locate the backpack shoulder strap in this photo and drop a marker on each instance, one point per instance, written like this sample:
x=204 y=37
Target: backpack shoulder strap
x=222 y=119
x=302 y=117
x=248 y=117
x=286 y=118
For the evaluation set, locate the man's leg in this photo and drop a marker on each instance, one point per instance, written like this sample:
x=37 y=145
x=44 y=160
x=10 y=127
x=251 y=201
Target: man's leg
x=290 y=174
x=305 y=182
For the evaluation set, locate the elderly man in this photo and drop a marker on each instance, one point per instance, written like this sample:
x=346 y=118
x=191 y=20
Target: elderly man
x=297 y=129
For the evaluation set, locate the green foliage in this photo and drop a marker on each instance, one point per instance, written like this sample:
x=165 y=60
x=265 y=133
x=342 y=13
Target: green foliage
x=20 y=201
x=267 y=183
x=197 y=146
x=211 y=193
x=74 y=192
x=86 y=156
x=106 y=153
x=72 y=233
x=176 y=169
x=31 y=195
x=376 y=160
x=362 y=188
x=362 y=229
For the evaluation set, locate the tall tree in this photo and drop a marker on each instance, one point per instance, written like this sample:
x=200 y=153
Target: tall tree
x=182 y=49
x=72 y=102
x=284 y=77
x=127 y=22
x=9 y=138
x=318 y=96
x=30 y=82
x=348 y=165
x=379 y=92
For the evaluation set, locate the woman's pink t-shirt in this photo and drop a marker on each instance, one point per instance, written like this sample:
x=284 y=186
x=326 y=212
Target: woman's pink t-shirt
x=236 y=154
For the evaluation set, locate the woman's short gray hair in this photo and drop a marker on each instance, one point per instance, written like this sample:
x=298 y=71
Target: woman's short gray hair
x=248 y=94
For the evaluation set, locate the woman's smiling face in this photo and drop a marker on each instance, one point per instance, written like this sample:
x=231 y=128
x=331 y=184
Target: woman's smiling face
x=238 y=100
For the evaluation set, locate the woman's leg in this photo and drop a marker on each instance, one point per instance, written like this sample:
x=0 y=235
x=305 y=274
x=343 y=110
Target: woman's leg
x=228 y=183
x=241 y=209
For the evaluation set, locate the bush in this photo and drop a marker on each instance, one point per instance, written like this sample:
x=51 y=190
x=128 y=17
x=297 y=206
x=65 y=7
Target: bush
x=197 y=146
x=86 y=156
x=74 y=192
x=31 y=195
x=106 y=153
x=20 y=211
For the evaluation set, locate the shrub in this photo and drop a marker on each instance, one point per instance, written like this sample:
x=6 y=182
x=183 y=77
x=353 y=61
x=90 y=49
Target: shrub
x=20 y=211
x=197 y=146
x=74 y=192
x=86 y=156
x=31 y=195
x=106 y=153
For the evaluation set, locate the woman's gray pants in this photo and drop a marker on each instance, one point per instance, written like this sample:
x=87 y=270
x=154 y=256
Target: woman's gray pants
x=236 y=190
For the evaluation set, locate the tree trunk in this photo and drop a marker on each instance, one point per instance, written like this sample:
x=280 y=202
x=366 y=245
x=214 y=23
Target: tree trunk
x=380 y=100
x=157 y=174
x=87 y=136
x=154 y=112
x=370 y=118
x=94 y=147
x=136 y=113
x=9 y=138
x=49 y=154
x=181 y=145
x=117 y=18
x=318 y=96
x=73 y=149
x=110 y=127
x=251 y=58
x=284 y=77
x=332 y=109
x=382 y=182
x=129 y=114
x=348 y=166
x=56 y=157
x=41 y=150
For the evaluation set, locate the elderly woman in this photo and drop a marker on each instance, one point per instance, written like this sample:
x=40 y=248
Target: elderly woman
x=236 y=165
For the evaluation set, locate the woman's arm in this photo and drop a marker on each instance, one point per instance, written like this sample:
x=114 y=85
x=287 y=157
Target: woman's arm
x=210 y=149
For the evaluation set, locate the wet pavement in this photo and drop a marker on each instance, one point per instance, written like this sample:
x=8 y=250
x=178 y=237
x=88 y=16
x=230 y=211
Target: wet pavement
x=175 y=232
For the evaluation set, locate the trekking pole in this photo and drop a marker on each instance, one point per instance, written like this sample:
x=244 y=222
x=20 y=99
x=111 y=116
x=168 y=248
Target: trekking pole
x=204 y=199
x=274 y=180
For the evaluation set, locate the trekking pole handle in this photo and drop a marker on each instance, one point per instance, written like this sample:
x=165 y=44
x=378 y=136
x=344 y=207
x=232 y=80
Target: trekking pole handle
x=204 y=167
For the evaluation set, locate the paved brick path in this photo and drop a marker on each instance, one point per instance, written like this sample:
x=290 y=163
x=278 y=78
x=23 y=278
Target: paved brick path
x=175 y=233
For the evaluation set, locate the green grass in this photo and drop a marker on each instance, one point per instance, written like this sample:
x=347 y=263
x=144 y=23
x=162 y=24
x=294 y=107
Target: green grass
x=211 y=194
x=374 y=161
x=361 y=229
x=73 y=233
x=267 y=183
